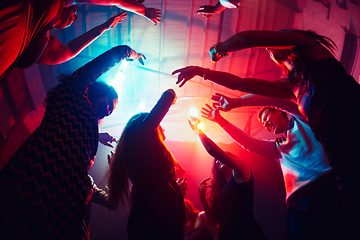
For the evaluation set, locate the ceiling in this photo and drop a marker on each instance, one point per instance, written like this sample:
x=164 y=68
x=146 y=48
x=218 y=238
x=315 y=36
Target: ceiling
x=182 y=38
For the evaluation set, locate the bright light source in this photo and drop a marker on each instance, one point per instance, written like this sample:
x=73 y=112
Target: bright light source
x=120 y=77
x=201 y=126
x=194 y=112
x=141 y=106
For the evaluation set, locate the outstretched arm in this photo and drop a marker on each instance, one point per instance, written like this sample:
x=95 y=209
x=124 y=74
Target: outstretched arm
x=271 y=39
x=226 y=103
x=152 y=14
x=57 y=52
x=278 y=89
x=152 y=121
x=241 y=169
x=263 y=147
x=91 y=71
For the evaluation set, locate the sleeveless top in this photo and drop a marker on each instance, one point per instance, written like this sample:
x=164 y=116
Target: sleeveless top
x=233 y=206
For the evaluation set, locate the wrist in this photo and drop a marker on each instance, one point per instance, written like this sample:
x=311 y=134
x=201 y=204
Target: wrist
x=206 y=71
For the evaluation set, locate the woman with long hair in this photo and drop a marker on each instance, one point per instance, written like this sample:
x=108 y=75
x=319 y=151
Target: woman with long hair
x=142 y=170
x=45 y=182
x=327 y=96
x=231 y=200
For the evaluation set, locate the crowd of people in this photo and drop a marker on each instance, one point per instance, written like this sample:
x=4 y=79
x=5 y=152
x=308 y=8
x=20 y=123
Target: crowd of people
x=46 y=188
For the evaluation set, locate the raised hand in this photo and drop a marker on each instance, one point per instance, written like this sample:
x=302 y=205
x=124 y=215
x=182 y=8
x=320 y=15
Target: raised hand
x=210 y=113
x=185 y=75
x=106 y=139
x=114 y=20
x=203 y=185
x=206 y=10
x=153 y=15
x=136 y=56
x=222 y=102
x=194 y=122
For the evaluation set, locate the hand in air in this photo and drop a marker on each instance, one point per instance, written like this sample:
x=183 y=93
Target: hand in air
x=136 y=56
x=222 y=102
x=114 y=20
x=185 y=75
x=153 y=15
x=194 y=122
x=203 y=185
x=206 y=10
x=210 y=113
x=106 y=139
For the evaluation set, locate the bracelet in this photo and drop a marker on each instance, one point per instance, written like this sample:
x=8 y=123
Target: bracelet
x=221 y=54
x=204 y=77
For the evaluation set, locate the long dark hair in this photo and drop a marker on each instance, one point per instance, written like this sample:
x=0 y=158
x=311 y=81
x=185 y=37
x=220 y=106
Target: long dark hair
x=118 y=176
x=301 y=59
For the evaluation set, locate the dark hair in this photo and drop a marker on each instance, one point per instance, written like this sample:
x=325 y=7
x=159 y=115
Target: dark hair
x=190 y=210
x=100 y=89
x=95 y=91
x=271 y=109
x=118 y=177
x=300 y=59
x=218 y=182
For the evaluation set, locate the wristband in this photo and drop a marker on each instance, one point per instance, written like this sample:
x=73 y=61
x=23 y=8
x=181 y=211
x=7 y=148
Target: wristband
x=219 y=53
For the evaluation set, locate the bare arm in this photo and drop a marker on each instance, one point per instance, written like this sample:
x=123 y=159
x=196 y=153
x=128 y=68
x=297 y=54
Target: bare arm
x=152 y=121
x=241 y=170
x=226 y=103
x=274 y=39
x=57 y=52
x=152 y=14
x=263 y=147
x=279 y=89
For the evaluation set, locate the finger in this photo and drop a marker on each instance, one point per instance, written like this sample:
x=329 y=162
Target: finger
x=216 y=104
x=177 y=71
x=183 y=83
x=205 y=116
x=217 y=95
x=205 y=113
x=210 y=108
x=141 y=61
x=109 y=145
